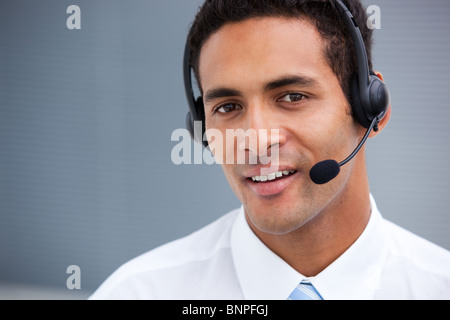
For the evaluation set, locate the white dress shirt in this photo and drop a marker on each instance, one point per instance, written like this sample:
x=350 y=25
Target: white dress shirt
x=226 y=260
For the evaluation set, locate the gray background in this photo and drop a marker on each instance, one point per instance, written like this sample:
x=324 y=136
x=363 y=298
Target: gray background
x=86 y=118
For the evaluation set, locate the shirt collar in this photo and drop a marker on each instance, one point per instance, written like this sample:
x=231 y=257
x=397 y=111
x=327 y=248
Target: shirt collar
x=265 y=276
x=262 y=274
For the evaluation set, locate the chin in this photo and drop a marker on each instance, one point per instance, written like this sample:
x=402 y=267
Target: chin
x=277 y=220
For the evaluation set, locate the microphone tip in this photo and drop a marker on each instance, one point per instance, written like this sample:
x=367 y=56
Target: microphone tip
x=324 y=171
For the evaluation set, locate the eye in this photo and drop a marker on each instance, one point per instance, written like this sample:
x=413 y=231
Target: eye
x=226 y=108
x=292 y=97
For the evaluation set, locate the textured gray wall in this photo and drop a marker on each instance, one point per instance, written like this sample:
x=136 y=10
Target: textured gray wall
x=86 y=118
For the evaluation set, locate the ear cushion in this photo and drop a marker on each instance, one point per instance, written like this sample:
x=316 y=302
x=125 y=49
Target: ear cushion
x=197 y=115
x=379 y=97
x=190 y=124
x=355 y=101
x=201 y=117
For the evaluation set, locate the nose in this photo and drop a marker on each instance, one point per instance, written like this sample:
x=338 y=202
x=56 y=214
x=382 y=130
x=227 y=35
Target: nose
x=264 y=131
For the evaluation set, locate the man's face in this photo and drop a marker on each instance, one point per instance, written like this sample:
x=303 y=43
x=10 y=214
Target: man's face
x=271 y=73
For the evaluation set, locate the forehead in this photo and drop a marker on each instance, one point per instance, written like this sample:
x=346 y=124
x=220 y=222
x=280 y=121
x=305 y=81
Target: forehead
x=261 y=47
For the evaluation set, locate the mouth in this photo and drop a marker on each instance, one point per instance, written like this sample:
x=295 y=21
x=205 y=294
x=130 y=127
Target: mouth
x=271 y=184
x=273 y=176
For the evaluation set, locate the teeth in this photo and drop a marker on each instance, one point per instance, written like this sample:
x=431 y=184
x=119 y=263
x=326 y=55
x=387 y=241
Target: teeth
x=272 y=176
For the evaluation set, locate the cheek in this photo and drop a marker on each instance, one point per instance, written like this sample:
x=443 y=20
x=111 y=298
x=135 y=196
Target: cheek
x=227 y=145
x=216 y=137
x=234 y=180
x=325 y=135
x=343 y=140
x=312 y=134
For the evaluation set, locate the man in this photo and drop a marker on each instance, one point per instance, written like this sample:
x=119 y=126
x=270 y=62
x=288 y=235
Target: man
x=286 y=65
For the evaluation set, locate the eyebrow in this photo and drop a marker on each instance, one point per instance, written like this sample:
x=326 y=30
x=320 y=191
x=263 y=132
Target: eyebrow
x=221 y=93
x=290 y=80
x=272 y=85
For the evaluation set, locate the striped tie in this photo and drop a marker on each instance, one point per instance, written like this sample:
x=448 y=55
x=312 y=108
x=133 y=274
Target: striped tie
x=305 y=291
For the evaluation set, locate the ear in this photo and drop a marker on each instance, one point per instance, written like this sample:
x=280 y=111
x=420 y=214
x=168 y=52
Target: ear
x=386 y=117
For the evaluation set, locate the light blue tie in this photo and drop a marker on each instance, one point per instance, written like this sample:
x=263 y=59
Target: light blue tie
x=305 y=291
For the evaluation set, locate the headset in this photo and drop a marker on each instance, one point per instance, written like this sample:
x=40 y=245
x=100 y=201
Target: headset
x=370 y=96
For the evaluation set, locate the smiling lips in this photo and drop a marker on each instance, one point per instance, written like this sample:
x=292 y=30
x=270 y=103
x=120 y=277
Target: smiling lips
x=272 y=176
x=271 y=184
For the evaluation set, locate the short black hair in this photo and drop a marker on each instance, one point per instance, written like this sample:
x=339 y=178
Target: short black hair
x=339 y=49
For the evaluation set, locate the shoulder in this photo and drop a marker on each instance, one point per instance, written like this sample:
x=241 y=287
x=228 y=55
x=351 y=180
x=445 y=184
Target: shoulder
x=417 y=250
x=146 y=275
x=421 y=265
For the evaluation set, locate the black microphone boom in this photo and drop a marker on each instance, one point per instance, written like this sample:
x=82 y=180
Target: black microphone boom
x=327 y=170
